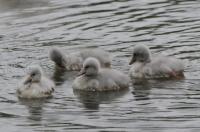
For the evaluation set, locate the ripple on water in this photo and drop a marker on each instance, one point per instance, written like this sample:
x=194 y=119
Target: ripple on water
x=28 y=29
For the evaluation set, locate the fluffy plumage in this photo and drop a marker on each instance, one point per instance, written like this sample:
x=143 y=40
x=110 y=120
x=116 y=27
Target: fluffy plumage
x=147 y=66
x=35 y=85
x=94 y=78
x=74 y=62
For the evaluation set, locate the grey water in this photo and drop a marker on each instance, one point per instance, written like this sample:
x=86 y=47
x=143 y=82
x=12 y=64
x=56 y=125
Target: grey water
x=29 y=28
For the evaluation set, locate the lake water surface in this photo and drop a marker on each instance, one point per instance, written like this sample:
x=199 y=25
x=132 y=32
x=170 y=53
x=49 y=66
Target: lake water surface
x=29 y=28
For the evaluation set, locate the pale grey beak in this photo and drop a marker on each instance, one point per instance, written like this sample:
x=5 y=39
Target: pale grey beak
x=107 y=64
x=132 y=60
x=28 y=80
x=82 y=72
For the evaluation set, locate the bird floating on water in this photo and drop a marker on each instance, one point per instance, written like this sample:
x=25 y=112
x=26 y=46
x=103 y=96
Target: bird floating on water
x=74 y=62
x=147 y=66
x=35 y=84
x=94 y=78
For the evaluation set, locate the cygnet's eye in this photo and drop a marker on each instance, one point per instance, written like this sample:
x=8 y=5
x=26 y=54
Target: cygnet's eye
x=134 y=54
x=33 y=74
x=86 y=67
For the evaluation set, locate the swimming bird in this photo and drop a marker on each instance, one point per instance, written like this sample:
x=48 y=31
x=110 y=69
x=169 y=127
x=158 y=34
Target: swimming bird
x=74 y=62
x=35 y=84
x=94 y=78
x=147 y=66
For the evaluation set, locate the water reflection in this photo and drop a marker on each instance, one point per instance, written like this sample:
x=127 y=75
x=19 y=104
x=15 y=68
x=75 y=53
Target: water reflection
x=60 y=76
x=34 y=107
x=92 y=100
x=141 y=90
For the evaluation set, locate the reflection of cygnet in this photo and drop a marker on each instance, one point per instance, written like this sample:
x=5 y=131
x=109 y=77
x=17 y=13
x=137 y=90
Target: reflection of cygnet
x=146 y=66
x=35 y=85
x=94 y=78
x=74 y=62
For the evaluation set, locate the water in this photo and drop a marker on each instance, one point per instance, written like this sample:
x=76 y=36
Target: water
x=28 y=28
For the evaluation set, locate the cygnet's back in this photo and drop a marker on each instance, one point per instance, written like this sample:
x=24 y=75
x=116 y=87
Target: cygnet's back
x=119 y=78
x=163 y=66
x=162 y=61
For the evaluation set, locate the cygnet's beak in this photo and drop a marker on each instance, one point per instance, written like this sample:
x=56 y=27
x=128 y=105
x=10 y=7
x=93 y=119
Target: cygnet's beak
x=28 y=80
x=133 y=59
x=60 y=63
x=82 y=72
x=107 y=64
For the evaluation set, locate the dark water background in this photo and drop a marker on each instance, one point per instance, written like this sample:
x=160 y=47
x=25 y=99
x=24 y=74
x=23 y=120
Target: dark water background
x=28 y=28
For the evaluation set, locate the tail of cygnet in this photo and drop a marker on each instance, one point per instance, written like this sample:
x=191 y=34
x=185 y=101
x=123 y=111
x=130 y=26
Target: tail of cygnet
x=57 y=57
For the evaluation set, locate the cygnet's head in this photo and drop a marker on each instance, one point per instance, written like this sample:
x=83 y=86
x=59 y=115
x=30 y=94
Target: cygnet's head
x=57 y=56
x=34 y=74
x=141 y=53
x=91 y=67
